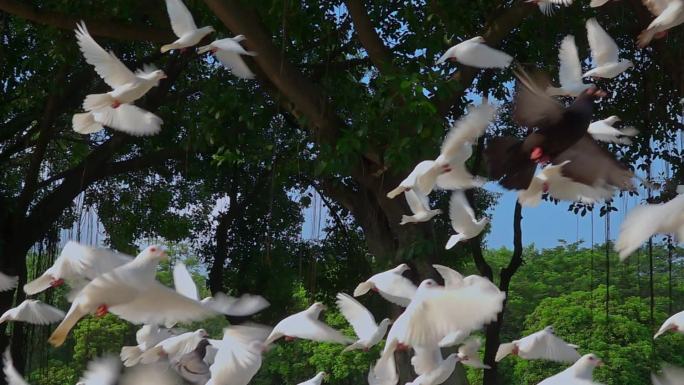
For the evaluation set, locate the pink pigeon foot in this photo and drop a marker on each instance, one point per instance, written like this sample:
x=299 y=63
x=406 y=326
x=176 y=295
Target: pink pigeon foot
x=101 y=311
x=375 y=289
x=536 y=154
x=402 y=348
x=660 y=35
x=366 y=349
x=545 y=187
x=57 y=282
x=289 y=339
x=116 y=104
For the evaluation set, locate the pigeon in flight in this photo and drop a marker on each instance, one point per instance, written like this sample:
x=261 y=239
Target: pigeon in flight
x=671 y=375
x=570 y=71
x=420 y=206
x=228 y=52
x=7 y=282
x=184 y=27
x=668 y=13
x=34 y=312
x=580 y=373
x=604 y=53
x=549 y=7
x=603 y=130
x=463 y=220
x=391 y=285
x=363 y=322
x=672 y=324
x=542 y=345
x=475 y=53
x=306 y=325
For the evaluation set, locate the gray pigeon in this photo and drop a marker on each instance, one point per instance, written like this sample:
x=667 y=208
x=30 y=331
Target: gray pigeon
x=191 y=366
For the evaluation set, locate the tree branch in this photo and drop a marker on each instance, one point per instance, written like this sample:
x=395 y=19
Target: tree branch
x=98 y=27
x=379 y=54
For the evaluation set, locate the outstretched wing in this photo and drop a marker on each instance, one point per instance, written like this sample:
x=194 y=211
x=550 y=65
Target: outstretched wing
x=106 y=64
x=181 y=18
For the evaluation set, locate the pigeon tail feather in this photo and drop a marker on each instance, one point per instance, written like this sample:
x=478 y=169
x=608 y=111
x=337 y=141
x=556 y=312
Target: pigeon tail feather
x=96 y=101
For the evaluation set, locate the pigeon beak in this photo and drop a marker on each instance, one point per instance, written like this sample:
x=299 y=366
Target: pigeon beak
x=164 y=255
x=600 y=363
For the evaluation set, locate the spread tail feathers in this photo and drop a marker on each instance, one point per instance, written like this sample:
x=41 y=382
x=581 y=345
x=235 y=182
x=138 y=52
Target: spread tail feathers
x=504 y=350
x=60 y=334
x=85 y=123
x=629 y=131
x=95 y=101
x=151 y=355
x=130 y=355
x=392 y=194
x=645 y=37
x=354 y=346
x=167 y=48
x=555 y=91
x=453 y=240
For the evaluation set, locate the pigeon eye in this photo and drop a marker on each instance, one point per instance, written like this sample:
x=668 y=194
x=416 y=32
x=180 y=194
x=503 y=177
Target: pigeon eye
x=591 y=358
x=153 y=249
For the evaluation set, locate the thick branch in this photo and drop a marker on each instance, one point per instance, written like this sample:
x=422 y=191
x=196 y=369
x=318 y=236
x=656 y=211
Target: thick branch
x=98 y=27
x=307 y=100
x=379 y=54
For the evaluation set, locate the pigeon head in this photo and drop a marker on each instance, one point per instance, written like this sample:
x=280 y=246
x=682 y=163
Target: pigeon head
x=202 y=333
x=239 y=38
x=549 y=329
x=385 y=322
x=154 y=76
x=316 y=308
x=154 y=252
x=206 y=30
x=584 y=367
x=453 y=357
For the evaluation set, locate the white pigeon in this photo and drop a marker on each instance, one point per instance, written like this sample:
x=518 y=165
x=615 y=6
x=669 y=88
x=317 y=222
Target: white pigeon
x=454 y=280
x=228 y=52
x=644 y=221
x=462 y=218
x=569 y=72
x=7 y=282
x=671 y=375
x=668 y=13
x=34 y=312
x=426 y=359
x=442 y=370
x=12 y=376
x=147 y=337
x=306 y=325
x=436 y=311
x=674 y=323
x=580 y=373
x=76 y=265
x=132 y=292
x=239 y=355
x=316 y=380
x=420 y=206
x=597 y=3
x=604 y=53
x=603 y=130
x=113 y=109
x=363 y=322
x=101 y=371
x=542 y=345
x=453 y=339
x=548 y=7
x=551 y=180
x=384 y=371
x=391 y=285
x=410 y=181
x=183 y=282
x=174 y=347
x=245 y=305
x=183 y=26
x=469 y=354
x=475 y=53
x=448 y=171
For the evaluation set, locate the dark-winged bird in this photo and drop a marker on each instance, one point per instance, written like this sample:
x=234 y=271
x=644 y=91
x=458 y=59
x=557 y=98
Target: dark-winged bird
x=513 y=161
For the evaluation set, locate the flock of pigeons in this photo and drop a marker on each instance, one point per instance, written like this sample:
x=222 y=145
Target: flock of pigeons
x=561 y=138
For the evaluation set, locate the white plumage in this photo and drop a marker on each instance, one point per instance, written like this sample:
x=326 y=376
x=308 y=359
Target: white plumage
x=363 y=322
x=316 y=380
x=669 y=14
x=7 y=282
x=551 y=180
x=34 y=312
x=569 y=72
x=132 y=292
x=580 y=373
x=174 y=347
x=469 y=353
x=548 y=7
x=475 y=53
x=604 y=131
x=440 y=373
x=147 y=337
x=436 y=311
x=113 y=109
x=183 y=26
x=239 y=355
x=448 y=171
x=644 y=221
x=671 y=375
x=101 y=371
x=410 y=181
x=228 y=52
x=391 y=285
x=675 y=323
x=384 y=371
x=77 y=264
x=604 y=53
x=542 y=345
x=245 y=305
x=420 y=206
x=12 y=376
x=462 y=218
x=306 y=325
x=183 y=282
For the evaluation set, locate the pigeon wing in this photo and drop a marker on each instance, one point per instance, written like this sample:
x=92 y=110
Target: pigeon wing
x=106 y=64
x=181 y=18
x=604 y=50
x=358 y=316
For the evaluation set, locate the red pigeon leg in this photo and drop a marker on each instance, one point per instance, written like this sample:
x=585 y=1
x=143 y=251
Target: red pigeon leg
x=102 y=310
